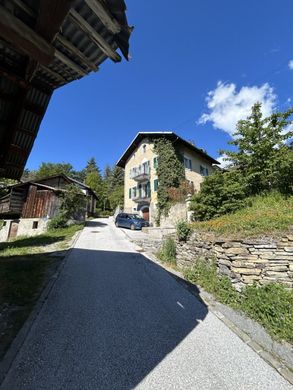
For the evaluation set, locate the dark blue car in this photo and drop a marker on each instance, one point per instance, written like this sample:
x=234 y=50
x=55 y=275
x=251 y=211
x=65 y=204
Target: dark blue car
x=131 y=221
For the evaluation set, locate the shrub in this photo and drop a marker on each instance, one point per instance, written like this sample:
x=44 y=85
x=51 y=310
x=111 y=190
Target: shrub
x=57 y=222
x=177 y=195
x=272 y=306
x=73 y=204
x=183 y=231
x=168 y=251
x=220 y=193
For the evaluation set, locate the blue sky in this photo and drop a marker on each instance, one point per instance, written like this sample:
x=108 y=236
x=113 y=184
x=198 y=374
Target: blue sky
x=197 y=66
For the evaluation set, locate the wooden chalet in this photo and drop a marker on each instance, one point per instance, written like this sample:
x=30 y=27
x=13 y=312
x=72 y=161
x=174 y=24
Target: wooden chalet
x=45 y=44
x=41 y=198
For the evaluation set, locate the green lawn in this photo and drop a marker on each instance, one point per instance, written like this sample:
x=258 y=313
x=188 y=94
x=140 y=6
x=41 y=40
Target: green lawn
x=271 y=214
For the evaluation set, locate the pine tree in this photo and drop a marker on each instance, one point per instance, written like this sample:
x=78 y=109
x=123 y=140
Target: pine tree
x=263 y=155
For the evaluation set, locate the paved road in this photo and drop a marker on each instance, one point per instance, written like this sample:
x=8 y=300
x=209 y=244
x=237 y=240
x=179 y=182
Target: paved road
x=115 y=320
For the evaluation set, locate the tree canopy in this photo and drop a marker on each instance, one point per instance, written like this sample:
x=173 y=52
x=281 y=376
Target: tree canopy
x=262 y=162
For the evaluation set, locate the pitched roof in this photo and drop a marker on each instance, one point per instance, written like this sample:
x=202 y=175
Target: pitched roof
x=39 y=183
x=43 y=46
x=158 y=134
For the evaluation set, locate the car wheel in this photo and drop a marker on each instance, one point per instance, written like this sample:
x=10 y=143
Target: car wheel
x=132 y=227
x=116 y=224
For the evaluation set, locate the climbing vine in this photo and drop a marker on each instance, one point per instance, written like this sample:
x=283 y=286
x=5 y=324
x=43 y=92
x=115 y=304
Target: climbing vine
x=170 y=171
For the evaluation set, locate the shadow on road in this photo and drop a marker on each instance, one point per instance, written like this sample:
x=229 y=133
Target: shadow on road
x=95 y=224
x=110 y=319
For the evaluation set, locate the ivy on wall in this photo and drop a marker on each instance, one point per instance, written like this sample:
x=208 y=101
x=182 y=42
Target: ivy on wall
x=170 y=172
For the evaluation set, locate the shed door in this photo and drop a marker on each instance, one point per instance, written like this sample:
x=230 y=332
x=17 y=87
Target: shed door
x=13 y=229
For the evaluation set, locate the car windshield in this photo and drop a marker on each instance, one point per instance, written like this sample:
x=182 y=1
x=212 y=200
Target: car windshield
x=134 y=216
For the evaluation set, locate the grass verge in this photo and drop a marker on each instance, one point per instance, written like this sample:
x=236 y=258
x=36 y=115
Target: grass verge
x=25 y=266
x=270 y=214
x=270 y=305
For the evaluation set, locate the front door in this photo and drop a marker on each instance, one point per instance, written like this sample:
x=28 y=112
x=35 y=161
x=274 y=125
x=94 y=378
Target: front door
x=13 y=230
x=146 y=214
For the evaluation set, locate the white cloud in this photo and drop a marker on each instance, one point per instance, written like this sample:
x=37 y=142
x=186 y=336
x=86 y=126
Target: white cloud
x=227 y=105
x=290 y=65
x=223 y=163
x=287 y=129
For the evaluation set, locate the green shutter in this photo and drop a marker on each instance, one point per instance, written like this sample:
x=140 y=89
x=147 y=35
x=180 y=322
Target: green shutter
x=129 y=193
x=156 y=185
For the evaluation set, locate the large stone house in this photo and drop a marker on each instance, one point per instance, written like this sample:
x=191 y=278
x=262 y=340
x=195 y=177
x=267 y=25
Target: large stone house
x=141 y=181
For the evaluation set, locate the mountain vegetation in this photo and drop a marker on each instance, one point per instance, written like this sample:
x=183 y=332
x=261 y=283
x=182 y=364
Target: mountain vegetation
x=260 y=164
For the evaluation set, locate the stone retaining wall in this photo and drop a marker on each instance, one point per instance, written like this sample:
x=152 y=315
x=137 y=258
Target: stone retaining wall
x=243 y=261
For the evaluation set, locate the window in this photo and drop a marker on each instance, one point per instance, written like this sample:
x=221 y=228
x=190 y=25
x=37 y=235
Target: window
x=129 y=193
x=204 y=171
x=187 y=163
x=156 y=184
x=134 y=192
x=155 y=162
x=35 y=224
x=143 y=149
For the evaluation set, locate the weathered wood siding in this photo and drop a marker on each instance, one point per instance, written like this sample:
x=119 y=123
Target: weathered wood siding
x=40 y=203
x=4 y=204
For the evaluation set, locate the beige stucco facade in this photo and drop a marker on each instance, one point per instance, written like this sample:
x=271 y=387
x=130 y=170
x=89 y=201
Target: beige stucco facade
x=140 y=177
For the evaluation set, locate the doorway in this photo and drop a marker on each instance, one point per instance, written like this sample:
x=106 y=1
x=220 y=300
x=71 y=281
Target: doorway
x=13 y=230
x=146 y=213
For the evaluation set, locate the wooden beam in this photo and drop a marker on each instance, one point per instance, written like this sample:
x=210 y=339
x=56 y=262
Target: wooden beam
x=27 y=132
x=51 y=17
x=94 y=36
x=25 y=8
x=57 y=76
x=24 y=38
x=74 y=50
x=71 y=64
x=24 y=153
x=106 y=18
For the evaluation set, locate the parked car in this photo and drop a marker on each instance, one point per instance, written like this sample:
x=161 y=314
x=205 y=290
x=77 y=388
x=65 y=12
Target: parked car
x=132 y=221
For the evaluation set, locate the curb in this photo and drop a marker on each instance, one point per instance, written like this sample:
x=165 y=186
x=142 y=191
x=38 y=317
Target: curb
x=272 y=359
x=22 y=334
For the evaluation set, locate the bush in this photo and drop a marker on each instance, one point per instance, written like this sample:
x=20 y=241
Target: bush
x=220 y=193
x=272 y=306
x=183 y=231
x=168 y=251
x=73 y=204
x=57 y=222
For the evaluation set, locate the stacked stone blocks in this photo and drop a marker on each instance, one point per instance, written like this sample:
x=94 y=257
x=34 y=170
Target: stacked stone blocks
x=244 y=261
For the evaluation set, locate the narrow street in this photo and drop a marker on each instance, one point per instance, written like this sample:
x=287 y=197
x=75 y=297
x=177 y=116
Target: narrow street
x=115 y=320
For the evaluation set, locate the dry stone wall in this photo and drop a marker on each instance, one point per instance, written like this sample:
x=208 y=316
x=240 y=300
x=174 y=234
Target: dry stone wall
x=244 y=261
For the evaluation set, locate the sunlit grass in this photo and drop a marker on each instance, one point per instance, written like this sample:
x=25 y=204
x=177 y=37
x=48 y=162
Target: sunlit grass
x=266 y=214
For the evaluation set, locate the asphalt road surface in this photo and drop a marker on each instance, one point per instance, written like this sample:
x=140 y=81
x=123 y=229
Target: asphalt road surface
x=116 y=320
